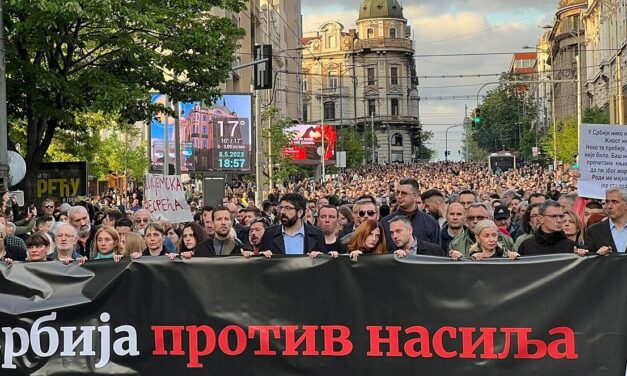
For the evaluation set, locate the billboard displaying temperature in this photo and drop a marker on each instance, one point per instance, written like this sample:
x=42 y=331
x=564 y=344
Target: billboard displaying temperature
x=214 y=136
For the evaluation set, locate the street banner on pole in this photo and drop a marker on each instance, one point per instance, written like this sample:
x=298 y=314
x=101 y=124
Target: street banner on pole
x=602 y=159
x=165 y=198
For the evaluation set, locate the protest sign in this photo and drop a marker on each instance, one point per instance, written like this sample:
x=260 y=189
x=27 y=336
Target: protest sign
x=165 y=197
x=602 y=159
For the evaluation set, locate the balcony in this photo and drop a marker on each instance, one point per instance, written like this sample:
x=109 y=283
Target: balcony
x=384 y=43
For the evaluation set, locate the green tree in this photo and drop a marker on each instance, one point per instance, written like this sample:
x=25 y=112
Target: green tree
x=68 y=57
x=506 y=115
x=474 y=152
x=566 y=133
x=350 y=142
x=279 y=138
x=423 y=152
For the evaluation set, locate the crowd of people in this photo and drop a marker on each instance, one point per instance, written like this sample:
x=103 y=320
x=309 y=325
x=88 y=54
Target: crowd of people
x=459 y=211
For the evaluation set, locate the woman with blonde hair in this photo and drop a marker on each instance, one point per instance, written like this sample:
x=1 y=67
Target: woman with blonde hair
x=486 y=245
x=107 y=243
x=573 y=227
x=133 y=242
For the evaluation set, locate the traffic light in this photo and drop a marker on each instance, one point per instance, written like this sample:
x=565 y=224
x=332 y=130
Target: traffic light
x=477 y=117
x=263 y=71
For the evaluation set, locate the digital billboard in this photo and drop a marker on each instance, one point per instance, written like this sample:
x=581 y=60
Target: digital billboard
x=306 y=143
x=214 y=137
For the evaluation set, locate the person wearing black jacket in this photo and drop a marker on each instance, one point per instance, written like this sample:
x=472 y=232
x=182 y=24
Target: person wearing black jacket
x=293 y=236
x=549 y=237
x=224 y=242
x=406 y=244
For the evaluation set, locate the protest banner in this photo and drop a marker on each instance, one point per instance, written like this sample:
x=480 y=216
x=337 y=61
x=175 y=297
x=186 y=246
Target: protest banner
x=165 y=198
x=291 y=315
x=602 y=159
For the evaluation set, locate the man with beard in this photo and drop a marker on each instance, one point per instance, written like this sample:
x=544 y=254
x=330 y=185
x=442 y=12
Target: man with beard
x=224 y=241
x=66 y=237
x=406 y=243
x=425 y=227
x=79 y=219
x=255 y=233
x=549 y=237
x=435 y=205
x=293 y=236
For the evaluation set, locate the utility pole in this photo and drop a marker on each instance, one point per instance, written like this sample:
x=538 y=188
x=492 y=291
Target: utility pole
x=166 y=141
x=4 y=159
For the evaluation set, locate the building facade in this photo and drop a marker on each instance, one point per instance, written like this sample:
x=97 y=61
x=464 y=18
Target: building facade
x=567 y=41
x=365 y=79
x=605 y=23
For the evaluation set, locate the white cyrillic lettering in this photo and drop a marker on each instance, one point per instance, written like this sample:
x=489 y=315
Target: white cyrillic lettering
x=53 y=336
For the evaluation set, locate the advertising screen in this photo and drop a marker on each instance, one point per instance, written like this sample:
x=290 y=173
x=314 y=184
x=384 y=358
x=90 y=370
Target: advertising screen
x=306 y=143
x=214 y=137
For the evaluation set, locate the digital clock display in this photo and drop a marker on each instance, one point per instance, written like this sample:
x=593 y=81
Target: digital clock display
x=231 y=144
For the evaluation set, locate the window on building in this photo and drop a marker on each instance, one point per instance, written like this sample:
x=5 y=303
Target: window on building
x=397 y=139
x=204 y=117
x=331 y=41
x=332 y=79
x=195 y=144
x=204 y=129
x=394 y=106
x=392 y=33
x=196 y=128
x=305 y=113
x=394 y=76
x=371 y=76
x=329 y=110
x=370 y=33
x=305 y=85
x=372 y=107
x=204 y=144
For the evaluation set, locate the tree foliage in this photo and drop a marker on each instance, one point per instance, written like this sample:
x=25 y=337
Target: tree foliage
x=566 y=133
x=506 y=115
x=350 y=142
x=278 y=138
x=69 y=57
x=423 y=152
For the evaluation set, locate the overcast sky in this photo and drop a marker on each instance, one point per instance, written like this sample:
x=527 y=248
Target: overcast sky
x=452 y=27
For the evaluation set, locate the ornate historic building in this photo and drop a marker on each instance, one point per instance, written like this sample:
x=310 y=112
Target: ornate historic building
x=365 y=78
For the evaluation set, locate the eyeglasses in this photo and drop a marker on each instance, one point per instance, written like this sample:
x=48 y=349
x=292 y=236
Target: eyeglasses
x=140 y=220
x=62 y=236
x=363 y=213
x=478 y=218
x=281 y=208
x=554 y=216
x=49 y=206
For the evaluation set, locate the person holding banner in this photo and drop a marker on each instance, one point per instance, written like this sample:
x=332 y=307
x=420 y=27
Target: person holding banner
x=368 y=239
x=606 y=236
x=224 y=242
x=193 y=235
x=154 y=235
x=37 y=246
x=487 y=244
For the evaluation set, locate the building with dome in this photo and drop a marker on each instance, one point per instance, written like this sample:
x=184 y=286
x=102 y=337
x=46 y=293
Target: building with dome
x=365 y=79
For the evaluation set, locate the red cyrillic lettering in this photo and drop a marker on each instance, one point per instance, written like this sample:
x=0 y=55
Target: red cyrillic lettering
x=177 y=342
x=524 y=343
x=568 y=341
x=505 y=353
x=308 y=336
x=240 y=336
x=194 y=351
x=468 y=347
x=264 y=337
x=438 y=344
x=346 y=346
x=422 y=340
x=376 y=340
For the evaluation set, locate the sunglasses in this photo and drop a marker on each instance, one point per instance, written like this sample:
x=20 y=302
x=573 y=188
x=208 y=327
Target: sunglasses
x=369 y=212
x=49 y=206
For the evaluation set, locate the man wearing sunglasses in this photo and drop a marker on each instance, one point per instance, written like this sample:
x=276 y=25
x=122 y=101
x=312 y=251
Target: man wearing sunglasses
x=425 y=227
x=47 y=207
x=363 y=210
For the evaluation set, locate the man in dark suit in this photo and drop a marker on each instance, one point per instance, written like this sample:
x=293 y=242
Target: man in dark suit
x=293 y=236
x=406 y=243
x=611 y=235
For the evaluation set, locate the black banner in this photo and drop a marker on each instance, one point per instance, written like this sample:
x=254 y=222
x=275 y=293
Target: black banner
x=61 y=181
x=553 y=315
